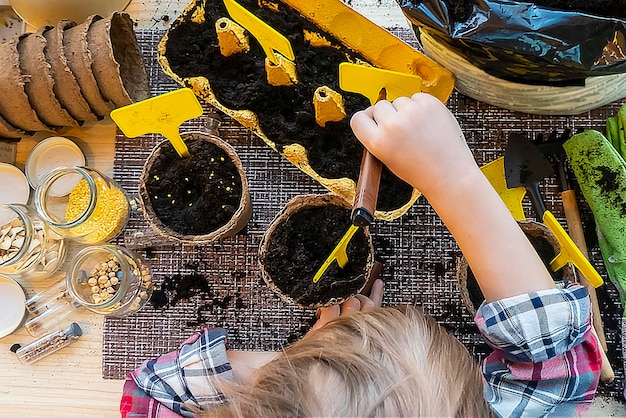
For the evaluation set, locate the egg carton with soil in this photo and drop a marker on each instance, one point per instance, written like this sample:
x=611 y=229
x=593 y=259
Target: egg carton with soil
x=299 y=111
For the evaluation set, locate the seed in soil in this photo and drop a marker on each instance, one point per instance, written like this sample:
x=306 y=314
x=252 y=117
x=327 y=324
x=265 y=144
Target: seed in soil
x=188 y=194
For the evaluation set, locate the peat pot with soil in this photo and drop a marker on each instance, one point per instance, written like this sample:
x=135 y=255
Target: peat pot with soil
x=298 y=242
x=198 y=199
x=542 y=240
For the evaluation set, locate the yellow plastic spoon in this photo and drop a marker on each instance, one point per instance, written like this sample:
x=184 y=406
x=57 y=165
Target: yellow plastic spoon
x=161 y=114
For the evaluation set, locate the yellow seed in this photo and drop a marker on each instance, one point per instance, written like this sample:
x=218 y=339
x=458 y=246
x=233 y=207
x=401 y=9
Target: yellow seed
x=109 y=214
x=157 y=178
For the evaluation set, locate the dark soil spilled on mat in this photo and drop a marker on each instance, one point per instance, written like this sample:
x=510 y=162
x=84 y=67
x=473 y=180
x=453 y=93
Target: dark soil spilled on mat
x=609 y=8
x=196 y=195
x=286 y=114
x=300 y=245
x=546 y=253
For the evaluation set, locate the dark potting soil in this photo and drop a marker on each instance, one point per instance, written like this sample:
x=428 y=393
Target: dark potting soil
x=546 y=253
x=286 y=114
x=195 y=195
x=180 y=287
x=461 y=9
x=300 y=245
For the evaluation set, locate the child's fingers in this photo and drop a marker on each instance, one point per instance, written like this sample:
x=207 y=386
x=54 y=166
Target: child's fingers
x=376 y=294
x=383 y=110
x=366 y=303
x=362 y=123
x=350 y=306
x=402 y=103
x=325 y=315
x=375 y=298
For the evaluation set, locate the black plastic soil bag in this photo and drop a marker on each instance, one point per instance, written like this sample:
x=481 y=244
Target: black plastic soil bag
x=525 y=43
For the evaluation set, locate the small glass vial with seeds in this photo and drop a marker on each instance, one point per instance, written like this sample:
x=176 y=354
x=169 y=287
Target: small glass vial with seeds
x=109 y=280
x=49 y=344
x=28 y=247
x=82 y=204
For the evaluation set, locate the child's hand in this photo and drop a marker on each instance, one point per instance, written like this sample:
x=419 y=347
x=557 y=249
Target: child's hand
x=358 y=303
x=418 y=139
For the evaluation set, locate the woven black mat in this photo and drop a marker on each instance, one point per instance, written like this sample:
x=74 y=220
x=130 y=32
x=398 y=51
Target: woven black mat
x=419 y=254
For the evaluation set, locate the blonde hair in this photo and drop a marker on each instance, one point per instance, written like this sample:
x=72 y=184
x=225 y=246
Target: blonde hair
x=386 y=362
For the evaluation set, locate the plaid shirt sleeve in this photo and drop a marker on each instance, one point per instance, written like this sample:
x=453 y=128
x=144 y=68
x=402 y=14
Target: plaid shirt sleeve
x=180 y=383
x=546 y=359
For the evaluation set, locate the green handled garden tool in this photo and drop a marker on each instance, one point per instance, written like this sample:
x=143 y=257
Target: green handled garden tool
x=601 y=174
x=525 y=165
x=161 y=114
x=376 y=84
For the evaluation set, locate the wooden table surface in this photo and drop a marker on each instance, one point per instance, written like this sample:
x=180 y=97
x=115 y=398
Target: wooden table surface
x=70 y=383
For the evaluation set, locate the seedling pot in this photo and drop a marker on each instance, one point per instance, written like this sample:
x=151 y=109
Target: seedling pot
x=181 y=197
x=297 y=243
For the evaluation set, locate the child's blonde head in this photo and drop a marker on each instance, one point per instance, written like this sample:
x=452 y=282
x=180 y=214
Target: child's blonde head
x=390 y=361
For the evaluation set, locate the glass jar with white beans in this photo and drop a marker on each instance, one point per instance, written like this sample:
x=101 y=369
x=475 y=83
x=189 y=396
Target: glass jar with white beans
x=28 y=247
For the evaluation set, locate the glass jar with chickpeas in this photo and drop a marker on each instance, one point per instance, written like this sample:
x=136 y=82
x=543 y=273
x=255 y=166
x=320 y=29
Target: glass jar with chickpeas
x=109 y=280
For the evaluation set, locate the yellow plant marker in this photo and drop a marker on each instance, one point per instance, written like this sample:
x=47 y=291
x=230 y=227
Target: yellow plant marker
x=512 y=198
x=269 y=38
x=161 y=114
x=339 y=253
x=368 y=81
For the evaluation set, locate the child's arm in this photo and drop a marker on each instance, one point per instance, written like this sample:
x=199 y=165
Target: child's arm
x=420 y=141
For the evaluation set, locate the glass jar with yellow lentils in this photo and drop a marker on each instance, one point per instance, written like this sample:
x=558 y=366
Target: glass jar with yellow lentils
x=82 y=204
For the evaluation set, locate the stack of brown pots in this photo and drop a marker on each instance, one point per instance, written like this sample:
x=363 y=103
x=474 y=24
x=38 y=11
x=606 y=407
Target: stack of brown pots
x=68 y=74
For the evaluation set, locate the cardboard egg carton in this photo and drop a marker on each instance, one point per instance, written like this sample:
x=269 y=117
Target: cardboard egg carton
x=335 y=24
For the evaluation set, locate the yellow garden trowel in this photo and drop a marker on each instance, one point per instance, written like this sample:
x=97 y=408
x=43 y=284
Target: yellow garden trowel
x=270 y=39
x=375 y=84
x=161 y=114
x=524 y=166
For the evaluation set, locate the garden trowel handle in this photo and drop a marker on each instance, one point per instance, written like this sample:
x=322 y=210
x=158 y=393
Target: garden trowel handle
x=536 y=199
x=369 y=181
x=366 y=190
